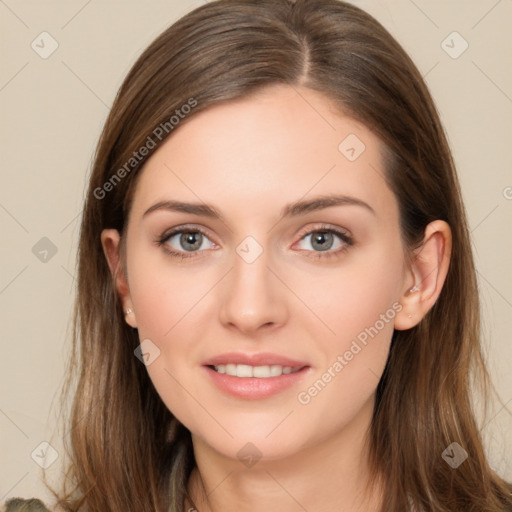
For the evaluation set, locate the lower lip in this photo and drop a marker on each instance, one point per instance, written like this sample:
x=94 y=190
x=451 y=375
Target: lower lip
x=253 y=388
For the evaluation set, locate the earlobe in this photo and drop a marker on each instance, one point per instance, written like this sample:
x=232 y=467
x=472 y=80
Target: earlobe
x=111 y=242
x=129 y=317
x=428 y=272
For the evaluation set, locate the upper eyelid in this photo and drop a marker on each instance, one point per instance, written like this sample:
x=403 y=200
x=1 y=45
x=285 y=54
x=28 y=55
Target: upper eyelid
x=184 y=229
x=325 y=227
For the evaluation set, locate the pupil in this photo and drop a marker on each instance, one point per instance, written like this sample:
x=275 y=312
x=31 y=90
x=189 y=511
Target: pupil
x=188 y=238
x=320 y=239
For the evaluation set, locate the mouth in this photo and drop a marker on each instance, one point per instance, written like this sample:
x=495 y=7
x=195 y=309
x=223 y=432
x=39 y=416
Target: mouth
x=255 y=376
x=259 y=372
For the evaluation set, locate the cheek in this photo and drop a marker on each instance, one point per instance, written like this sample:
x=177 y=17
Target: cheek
x=169 y=301
x=352 y=297
x=359 y=304
x=163 y=292
x=164 y=305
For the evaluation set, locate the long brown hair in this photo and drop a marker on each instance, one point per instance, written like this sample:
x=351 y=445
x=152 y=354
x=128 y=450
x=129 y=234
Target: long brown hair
x=127 y=451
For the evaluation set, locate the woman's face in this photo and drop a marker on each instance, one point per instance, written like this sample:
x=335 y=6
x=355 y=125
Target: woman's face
x=270 y=282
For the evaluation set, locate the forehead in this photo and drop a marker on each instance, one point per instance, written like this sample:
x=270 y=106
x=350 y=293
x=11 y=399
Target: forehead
x=263 y=151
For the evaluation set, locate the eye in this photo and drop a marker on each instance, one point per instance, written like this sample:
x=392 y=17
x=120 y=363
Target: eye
x=325 y=241
x=185 y=242
x=180 y=241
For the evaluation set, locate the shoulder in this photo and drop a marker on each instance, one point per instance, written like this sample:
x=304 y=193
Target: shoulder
x=23 y=505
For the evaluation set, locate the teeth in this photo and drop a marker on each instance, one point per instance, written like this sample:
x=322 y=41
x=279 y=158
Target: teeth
x=243 y=370
x=261 y=372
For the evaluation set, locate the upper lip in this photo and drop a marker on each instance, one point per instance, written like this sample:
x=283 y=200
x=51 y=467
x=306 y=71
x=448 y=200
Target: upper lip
x=259 y=359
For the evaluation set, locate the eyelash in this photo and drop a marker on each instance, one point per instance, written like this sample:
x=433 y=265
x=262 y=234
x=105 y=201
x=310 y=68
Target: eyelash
x=345 y=238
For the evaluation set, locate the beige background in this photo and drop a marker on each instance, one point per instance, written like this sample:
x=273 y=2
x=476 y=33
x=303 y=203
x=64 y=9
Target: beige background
x=52 y=111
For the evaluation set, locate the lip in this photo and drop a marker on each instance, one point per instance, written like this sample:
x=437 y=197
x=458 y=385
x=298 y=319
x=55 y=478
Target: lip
x=253 y=388
x=259 y=359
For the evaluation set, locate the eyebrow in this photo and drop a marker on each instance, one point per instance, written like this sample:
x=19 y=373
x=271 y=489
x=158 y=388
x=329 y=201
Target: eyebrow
x=295 y=209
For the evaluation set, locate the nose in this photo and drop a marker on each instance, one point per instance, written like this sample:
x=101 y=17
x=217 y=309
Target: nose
x=253 y=298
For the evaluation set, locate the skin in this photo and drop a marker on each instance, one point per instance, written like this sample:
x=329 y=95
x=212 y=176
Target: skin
x=249 y=158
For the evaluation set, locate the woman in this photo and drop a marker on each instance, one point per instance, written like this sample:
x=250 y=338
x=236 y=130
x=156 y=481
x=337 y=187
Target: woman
x=277 y=304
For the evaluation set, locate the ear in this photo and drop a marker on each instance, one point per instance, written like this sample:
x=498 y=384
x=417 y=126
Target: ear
x=110 y=240
x=427 y=274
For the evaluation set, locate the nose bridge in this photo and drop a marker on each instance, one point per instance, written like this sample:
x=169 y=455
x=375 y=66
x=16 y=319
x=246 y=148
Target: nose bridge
x=252 y=296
